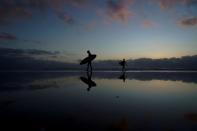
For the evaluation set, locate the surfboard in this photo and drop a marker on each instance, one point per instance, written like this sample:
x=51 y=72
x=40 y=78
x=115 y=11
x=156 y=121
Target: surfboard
x=88 y=82
x=121 y=63
x=88 y=59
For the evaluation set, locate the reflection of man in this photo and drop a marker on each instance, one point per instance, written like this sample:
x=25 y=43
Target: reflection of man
x=90 y=80
x=89 y=62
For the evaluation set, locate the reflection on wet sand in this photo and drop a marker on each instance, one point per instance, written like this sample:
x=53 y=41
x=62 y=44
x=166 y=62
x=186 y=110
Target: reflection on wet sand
x=4 y=104
x=191 y=116
x=53 y=101
x=147 y=76
x=12 y=81
x=122 y=125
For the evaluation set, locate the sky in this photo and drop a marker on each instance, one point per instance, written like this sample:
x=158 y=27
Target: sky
x=112 y=29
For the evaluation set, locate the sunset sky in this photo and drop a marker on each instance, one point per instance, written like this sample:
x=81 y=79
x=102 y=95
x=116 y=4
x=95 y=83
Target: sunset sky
x=112 y=29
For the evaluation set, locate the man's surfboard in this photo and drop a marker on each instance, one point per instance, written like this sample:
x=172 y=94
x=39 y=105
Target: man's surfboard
x=88 y=82
x=121 y=63
x=87 y=59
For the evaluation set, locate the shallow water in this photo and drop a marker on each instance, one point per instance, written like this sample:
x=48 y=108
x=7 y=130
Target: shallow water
x=151 y=100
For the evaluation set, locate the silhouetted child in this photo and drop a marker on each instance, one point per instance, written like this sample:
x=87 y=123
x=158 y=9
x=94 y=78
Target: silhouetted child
x=123 y=64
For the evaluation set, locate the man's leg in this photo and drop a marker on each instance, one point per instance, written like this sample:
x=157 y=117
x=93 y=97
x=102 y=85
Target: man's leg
x=90 y=66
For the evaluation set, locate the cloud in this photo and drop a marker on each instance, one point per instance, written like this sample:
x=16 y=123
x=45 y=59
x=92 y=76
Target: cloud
x=149 y=23
x=190 y=2
x=11 y=10
x=31 y=59
x=60 y=56
x=11 y=37
x=185 y=9
x=7 y=36
x=90 y=25
x=78 y=2
x=119 y=10
x=33 y=41
x=166 y=4
x=14 y=53
x=189 y=21
x=114 y=10
x=66 y=18
x=39 y=52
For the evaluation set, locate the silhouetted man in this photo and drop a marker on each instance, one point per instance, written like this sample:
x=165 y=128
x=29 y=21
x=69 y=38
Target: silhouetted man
x=89 y=62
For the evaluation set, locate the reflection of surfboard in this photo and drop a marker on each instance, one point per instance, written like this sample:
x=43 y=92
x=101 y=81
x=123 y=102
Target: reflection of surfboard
x=87 y=59
x=88 y=82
